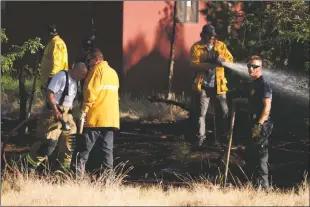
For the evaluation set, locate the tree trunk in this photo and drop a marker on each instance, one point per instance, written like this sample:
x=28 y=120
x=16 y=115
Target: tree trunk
x=171 y=58
x=32 y=90
x=22 y=95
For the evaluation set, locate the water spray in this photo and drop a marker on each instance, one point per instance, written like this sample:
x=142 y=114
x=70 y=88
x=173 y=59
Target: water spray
x=286 y=83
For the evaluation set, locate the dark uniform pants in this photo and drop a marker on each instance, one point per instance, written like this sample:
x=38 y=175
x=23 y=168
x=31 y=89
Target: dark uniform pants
x=105 y=137
x=257 y=156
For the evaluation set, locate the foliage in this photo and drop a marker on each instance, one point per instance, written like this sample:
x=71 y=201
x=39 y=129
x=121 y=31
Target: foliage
x=4 y=38
x=17 y=52
x=9 y=85
x=276 y=30
x=292 y=19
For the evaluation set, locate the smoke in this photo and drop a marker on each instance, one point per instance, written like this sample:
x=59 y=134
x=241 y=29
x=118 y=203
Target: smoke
x=286 y=83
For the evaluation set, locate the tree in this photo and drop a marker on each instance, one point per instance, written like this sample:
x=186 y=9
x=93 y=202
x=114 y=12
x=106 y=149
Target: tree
x=291 y=21
x=17 y=52
x=14 y=57
x=276 y=30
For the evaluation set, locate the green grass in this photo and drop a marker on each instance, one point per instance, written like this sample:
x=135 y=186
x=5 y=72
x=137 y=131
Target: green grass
x=9 y=85
x=10 y=93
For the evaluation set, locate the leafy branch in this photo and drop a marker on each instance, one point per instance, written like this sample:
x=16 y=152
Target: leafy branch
x=17 y=52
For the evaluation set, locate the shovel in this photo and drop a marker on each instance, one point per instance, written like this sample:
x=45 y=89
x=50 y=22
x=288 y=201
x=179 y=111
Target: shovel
x=78 y=138
x=241 y=103
x=81 y=125
x=232 y=123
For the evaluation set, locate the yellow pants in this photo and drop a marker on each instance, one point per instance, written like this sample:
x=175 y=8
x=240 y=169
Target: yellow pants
x=48 y=134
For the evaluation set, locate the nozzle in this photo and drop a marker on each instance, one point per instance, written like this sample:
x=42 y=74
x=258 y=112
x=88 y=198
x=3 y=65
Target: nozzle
x=64 y=125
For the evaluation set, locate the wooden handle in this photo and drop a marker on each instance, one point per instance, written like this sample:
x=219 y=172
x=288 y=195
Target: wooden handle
x=81 y=126
x=230 y=141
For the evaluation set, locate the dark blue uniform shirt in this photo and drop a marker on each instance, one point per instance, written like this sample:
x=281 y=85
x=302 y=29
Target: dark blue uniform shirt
x=259 y=89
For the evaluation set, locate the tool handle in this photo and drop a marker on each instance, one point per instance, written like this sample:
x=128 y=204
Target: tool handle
x=232 y=122
x=82 y=125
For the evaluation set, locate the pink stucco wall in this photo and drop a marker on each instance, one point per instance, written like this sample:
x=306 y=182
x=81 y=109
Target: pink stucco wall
x=146 y=46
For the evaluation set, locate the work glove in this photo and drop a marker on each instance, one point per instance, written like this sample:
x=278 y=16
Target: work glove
x=256 y=131
x=217 y=59
x=219 y=62
x=58 y=114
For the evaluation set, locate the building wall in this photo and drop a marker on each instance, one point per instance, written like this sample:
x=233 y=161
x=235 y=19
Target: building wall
x=133 y=36
x=24 y=20
x=146 y=47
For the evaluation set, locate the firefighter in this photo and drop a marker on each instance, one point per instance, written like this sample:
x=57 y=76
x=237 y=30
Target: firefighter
x=261 y=124
x=100 y=110
x=59 y=124
x=87 y=46
x=55 y=57
x=210 y=83
x=259 y=106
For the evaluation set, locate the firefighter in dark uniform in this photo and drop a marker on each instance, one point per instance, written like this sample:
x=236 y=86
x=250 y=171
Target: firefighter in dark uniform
x=261 y=125
x=87 y=45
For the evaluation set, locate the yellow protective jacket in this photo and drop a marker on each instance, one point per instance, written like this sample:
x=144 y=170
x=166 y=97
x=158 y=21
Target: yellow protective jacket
x=100 y=91
x=55 y=59
x=198 y=55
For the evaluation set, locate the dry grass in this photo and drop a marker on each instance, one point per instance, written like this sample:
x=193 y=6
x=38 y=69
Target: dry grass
x=131 y=109
x=61 y=190
x=142 y=109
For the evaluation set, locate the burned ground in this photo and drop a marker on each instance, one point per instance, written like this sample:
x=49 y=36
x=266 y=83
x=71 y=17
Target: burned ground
x=157 y=151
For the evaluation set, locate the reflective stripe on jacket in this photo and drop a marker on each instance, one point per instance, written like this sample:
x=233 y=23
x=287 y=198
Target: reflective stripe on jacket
x=198 y=53
x=100 y=92
x=55 y=59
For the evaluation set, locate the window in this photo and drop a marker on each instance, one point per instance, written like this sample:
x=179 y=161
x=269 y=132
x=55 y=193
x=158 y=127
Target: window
x=187 y=11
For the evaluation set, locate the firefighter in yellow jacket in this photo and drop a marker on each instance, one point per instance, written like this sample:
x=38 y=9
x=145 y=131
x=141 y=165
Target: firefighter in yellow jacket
x=101 y=111
x=55 y=57
x=210 y=82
